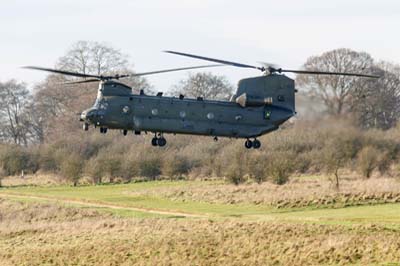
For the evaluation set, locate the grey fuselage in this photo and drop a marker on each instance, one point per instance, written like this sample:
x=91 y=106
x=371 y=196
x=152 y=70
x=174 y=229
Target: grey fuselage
x=117 y=108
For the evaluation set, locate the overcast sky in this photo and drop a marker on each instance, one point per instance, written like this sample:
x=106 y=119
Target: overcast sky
x=284 y=32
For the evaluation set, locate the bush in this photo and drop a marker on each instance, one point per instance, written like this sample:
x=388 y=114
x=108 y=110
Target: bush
x=279 y=166
x=256 y=168
x=150 y=167
x=235 y=175
x=2 y=174
x=234 y=163
x=47 y=159
x=367 y=160
x=14 y=160
x=71 y=168
x=384 y=162
x=129 y=169
x=176 y=166
x=112 y=166
x=94 y=169
x=337 y=153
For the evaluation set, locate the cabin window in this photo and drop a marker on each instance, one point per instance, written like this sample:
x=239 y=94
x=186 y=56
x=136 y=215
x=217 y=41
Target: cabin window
x=281 y=98
x=267 y=115
x=238 y=117
x=125 y=109
x=210 y=116
x=182 y=114
x=103 y=104
x=154 y=111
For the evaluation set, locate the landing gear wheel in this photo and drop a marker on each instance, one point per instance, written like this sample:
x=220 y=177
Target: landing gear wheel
x=103 y=130
x=85 y=126
x=161 y=142
x=256 y=144
x=248 y=144
x=125 y=132
x=154 y=141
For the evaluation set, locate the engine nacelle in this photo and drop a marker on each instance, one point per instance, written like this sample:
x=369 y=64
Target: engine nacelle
x=246 y=100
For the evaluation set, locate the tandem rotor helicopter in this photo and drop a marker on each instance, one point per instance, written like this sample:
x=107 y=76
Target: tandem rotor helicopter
x=260 y=105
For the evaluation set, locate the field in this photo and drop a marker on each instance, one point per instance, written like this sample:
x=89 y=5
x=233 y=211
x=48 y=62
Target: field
x=202 y=223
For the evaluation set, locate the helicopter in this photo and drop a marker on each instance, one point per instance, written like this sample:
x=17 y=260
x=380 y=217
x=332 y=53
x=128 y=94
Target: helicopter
x=260 y=105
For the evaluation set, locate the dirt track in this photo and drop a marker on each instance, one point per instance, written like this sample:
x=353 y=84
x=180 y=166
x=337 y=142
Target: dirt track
x=104 y=205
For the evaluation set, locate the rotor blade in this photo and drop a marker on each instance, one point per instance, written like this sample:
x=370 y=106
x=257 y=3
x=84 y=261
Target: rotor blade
x=216 y=60
x=81 y=81
x=68 y=73
x=166 y=70
x=326 y=73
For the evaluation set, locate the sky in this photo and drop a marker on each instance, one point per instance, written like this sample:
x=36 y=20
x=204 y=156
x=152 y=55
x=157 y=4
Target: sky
x=282 y=32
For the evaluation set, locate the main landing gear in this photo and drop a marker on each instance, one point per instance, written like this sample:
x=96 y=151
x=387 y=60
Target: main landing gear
x=256 y=144
x=158 y=140
x=103 y=130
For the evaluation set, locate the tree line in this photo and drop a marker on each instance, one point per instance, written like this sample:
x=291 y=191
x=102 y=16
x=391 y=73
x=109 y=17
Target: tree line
x=329 y=146
x=42 y=125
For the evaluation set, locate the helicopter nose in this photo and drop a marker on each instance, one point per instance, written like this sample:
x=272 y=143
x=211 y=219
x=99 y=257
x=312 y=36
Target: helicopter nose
x=82 y=116
x=91 y=114
x=88 y=115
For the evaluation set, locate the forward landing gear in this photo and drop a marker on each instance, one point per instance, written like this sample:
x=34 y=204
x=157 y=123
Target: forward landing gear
x=158 y=140
x=256 y=144
x=85 y=126
x=103 y=130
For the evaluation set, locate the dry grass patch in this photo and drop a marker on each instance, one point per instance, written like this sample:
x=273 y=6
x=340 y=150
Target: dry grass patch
x=32 y=180
x=88 y=238
x=299 y=192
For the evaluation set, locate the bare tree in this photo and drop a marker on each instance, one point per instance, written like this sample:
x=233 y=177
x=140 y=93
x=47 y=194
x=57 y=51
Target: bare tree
x=335 y=91
x=376 y=103
x=56 y=105
x=54 y=108
x=14 y=97
x=92 y=57
x=204 y=85
x=100 y=59
x=106 y=59
x=77 y=58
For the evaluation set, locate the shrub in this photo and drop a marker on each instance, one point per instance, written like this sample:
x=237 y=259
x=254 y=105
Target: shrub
x=47 y=160
x=384 y=162
x=14 y=160
x=71 y=168
x=235 y=175
x=2 y=174
x=256 y=167
x=112 y=166
x=279 y=166
x=337 y=154
x=176 y=166
x=129 y=169
x=94 y=169
x=150 y=167
x=367 y=160
x=234 y=163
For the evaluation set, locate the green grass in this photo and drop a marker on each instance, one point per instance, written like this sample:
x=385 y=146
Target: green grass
x=385 y=214
x=116 y=212
x=122 y=195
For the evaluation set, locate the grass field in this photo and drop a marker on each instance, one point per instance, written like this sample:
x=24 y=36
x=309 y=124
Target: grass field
x=157 y=223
